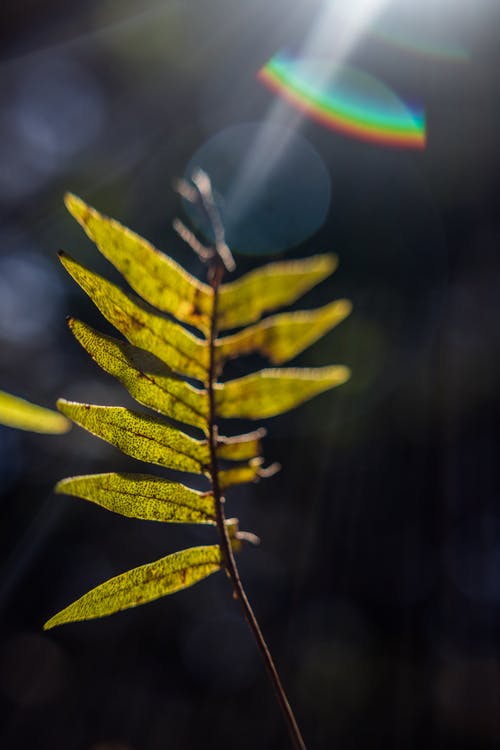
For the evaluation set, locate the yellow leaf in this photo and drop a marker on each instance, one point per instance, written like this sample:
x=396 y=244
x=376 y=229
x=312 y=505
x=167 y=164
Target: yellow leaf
x=153 y=275
x=142 y=496
x=267 y=288
x=270 y=392
x=145 y=377
x=170 y=342
x=143 y=437
x=240 y=474
x=283 y=336
x=21 y=414
x=241 y=447
x=142 y=585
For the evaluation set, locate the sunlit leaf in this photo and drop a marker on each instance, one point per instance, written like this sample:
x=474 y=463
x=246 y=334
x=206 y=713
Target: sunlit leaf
x=145 y=377
x=21 y=414
x=142 y=496
x=143 y=584
x=143 y=437
x=241 y=447
x=270 y=392
x=153 y=275
x=242 y=474
x=267 y=288
x=283 y=336
x=169 y=341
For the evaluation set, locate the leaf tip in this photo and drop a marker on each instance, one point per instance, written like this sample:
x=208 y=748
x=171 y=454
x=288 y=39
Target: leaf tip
x=330 y=262
x=65 y=259
x=345 y=306
x=344 y=373
x=64 y=427
x=59 y=487
x=74 y=325
x=51 y=623
x=73 y=203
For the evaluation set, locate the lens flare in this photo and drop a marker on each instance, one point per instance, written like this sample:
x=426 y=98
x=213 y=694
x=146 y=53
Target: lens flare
x=267 y=204
x=346 y=100
x=422 y=46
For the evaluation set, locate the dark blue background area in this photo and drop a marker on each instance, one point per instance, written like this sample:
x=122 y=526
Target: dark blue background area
x=377 y=582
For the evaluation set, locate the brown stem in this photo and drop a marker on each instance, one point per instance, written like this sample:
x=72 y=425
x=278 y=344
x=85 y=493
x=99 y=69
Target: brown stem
x=217 y=271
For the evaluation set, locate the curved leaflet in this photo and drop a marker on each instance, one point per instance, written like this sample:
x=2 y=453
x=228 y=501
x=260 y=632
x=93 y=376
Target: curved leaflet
x=267 y=288
x=282 y=337
x=143 y=584
x=139 y=436
x=142 y=496
x=270 y=392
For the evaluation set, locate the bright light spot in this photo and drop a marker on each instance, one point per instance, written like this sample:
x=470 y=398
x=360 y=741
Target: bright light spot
x=282 y=207
x=336 y=30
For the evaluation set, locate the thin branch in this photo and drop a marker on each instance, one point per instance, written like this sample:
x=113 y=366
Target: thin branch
x=215 y=274
x=202 y=182
x=185 y=190
x=203 y=252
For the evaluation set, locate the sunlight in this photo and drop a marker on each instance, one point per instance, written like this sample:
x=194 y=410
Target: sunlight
x=336 y=31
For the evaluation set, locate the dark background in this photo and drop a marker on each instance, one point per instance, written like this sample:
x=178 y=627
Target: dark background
x=378 y=579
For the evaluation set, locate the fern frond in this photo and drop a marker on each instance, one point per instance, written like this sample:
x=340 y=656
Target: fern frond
x=156 y=365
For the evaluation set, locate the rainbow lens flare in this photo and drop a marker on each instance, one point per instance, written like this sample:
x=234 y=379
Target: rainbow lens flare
x=346 y=100
x=422 y=46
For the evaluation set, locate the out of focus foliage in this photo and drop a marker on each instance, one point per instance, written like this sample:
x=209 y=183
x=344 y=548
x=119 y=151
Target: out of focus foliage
x=21 y=414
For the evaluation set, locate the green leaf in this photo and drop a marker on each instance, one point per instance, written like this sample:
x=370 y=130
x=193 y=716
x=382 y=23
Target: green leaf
x=146 y=378
x=21 y=414
x=143 y=437
x=241 y=447
x=170 y=342
x=153 y=275
x=270 y=392
x=267 y=288
x=143 y=584
x=283 y=336
x=142 y=496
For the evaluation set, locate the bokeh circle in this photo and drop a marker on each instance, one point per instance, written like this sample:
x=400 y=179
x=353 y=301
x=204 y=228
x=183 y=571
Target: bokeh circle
x=272 y=187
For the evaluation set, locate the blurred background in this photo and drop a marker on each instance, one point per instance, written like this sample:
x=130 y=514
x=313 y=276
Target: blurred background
x=368 y=129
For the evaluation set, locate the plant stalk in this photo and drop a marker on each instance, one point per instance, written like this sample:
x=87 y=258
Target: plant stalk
x=216 y=272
